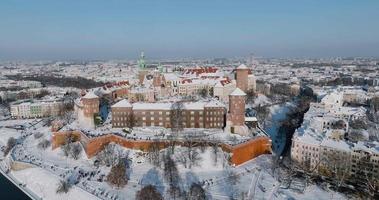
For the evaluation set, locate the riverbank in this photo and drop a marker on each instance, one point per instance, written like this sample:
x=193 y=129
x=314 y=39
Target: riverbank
x=11 y=188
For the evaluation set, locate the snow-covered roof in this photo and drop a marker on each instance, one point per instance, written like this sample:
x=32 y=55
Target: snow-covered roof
x=214 y=104
x=250 y=119
x=90 y=95
x=238 y=92
x=335 y=144
x=361 y=146
x=167 y=105
x=123 y=103
x=151 y=106
x=194 y=106
x=242 y=66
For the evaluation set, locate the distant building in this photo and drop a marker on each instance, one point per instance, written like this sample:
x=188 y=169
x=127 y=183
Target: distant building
x=141 y=94
x=223 y=89
x=319 y=145
x=36 y=108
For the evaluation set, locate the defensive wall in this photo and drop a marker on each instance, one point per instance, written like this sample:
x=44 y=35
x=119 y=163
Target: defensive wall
x=240 y=153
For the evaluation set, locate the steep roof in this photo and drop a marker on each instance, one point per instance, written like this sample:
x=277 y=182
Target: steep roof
x=238 y=92
x=90 y=95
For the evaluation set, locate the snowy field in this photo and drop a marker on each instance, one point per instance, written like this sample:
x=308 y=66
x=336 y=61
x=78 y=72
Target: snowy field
x=44 y=184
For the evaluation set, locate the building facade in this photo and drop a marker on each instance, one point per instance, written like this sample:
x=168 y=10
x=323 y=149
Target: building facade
x=36 y=108
x=193 y=115
x=90 y=103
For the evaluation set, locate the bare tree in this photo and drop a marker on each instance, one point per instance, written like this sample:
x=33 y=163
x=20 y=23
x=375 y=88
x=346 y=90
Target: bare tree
x=43 y=144
x=196 y=192
x=374 y=103
x=171 y=172
x=250 y=96
x=118 y=176
x=148 y=192
x=10 y=144
x=177 y=117
x=76 y=150
x=175 y=192
x=215 y=152
x=38 y=135
x=203 y=92
x=109 y=155
x=193 y=156
x=66 y=147
x=261 y=113
x=232 y=177
x=154 y=153
x=131 y=121
x=63 y=186
x=334 y=164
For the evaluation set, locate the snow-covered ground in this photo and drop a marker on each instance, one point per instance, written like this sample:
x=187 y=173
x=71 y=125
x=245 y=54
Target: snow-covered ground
x=45 y=184
x=255 y=177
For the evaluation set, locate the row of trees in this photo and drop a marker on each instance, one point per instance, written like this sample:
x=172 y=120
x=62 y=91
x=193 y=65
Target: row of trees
x=60 y=81
x=150 y=192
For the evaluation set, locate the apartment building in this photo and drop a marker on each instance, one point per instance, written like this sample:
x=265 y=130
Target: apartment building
x=319 y=145
x=36 y=108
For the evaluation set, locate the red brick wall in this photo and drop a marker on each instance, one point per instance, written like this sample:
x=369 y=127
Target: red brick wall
x=250 y=149
x=240 y=153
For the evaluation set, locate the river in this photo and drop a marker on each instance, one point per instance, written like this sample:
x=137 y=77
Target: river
x=278 y=113
x=9 y=191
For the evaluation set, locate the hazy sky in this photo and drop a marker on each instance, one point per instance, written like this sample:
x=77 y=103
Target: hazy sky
x=88 y=29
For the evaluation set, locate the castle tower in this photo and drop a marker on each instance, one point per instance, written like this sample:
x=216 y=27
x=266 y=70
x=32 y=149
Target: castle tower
x=90 y=103
x=236 y=115
x=242 y=73
x=237 y=107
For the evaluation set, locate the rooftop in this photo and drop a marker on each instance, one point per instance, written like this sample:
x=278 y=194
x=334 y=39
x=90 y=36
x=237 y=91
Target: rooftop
x=242 y=66
x=90 y=95
x=238 y=92
x=122 y=103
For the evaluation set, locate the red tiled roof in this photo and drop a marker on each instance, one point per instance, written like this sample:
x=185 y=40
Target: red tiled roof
x=201 y=70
